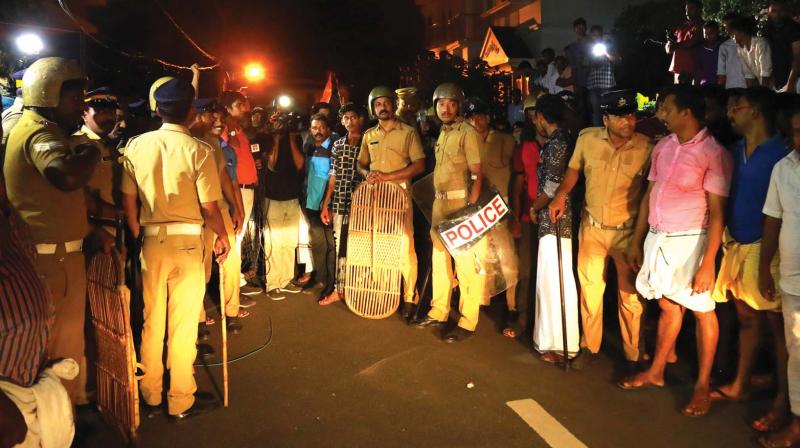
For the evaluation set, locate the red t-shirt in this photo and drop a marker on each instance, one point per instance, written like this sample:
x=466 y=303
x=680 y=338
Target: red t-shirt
x=526 y=162
x=245 y=164
x=684 y=60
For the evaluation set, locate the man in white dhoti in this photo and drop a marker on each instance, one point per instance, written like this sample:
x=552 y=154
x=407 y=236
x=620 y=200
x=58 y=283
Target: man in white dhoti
x=555 y=154
x=682 y=215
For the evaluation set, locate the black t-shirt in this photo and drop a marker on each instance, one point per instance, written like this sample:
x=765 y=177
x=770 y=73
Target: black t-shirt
x=780 y=41
x=283 y=182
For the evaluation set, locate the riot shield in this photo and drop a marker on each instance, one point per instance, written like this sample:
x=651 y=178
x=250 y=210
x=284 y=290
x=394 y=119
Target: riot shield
x=461 y=230
x=117 y=383
x=373 y=278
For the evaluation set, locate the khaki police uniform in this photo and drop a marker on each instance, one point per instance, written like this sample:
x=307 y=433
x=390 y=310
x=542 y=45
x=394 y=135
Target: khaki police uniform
x=58 y=223
x=497 y=151
x=172 y=173
x=615 y=183
x=386 y=152
x=457 y=148
x=232 y=266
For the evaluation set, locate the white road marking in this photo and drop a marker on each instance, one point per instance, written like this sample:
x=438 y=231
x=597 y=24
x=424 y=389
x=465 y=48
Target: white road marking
x=553 y=432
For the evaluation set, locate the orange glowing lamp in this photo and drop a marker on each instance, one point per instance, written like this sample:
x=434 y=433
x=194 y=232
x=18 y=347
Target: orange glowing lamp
x=254 y=72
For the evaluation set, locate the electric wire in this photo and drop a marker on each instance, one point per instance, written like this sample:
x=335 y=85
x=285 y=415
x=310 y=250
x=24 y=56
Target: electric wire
x=99 y=42
x=248 y=354
x=184 y=33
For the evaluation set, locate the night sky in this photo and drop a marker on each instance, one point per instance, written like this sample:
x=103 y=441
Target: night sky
x=363 y=41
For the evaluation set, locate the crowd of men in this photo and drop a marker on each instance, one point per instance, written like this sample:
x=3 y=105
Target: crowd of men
x=205 y=182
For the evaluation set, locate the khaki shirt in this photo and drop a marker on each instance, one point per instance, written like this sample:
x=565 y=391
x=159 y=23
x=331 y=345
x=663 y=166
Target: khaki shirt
x=54 y=216
x=392 y=150
x=102 y=181
x=615 y=178
x=457 y=148
x=172 y=173
x=496 y=154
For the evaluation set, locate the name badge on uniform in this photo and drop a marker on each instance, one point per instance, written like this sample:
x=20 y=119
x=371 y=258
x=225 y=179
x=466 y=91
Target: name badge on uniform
x=255 y=147
x=373 y=143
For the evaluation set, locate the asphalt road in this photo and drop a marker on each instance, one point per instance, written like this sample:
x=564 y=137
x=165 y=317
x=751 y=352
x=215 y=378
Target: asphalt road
x=328 y=378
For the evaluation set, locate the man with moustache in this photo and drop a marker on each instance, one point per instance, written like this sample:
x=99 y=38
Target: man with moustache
x=45 y=178
x=391 y=151
x=613 y=159
x=230 y=206
x=457 y=179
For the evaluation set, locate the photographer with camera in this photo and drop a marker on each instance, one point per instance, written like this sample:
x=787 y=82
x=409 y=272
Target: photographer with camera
x=601 y=72
x=284 y=164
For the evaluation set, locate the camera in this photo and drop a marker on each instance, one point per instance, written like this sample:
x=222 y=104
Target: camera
x=285 y=122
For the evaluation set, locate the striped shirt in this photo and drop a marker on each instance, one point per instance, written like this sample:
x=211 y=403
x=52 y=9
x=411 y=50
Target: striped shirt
x=26 y=309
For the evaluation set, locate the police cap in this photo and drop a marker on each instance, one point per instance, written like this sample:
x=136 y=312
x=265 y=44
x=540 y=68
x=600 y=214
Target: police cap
x=618 y=102
x=174 y=91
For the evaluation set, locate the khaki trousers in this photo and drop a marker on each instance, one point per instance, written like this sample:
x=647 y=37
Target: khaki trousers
x=596 y=245
x=65 y=276
x=281 y=240
x=470 y=281
x=172 y=270
x=231 y=268
x=409 y=261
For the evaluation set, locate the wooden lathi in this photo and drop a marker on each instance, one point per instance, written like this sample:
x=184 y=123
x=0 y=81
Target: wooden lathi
x=378 y=216
x=117 y=384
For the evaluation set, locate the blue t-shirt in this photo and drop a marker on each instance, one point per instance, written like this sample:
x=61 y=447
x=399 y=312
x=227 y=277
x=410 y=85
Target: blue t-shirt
x=749 y=187
x=230 y=160
x=318 y=173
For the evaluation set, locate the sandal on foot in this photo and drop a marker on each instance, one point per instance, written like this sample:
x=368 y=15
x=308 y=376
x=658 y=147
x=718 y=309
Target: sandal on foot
x=717 y=394
x=243 y=313
x=330 y=298
x=510 y=332
x=698 y=407
x=631 y=384
x=771 y=422
x=552 y=358
x=210 y=321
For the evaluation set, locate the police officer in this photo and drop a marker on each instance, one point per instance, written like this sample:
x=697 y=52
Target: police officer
x=99 y=120
x=457 y=179
x=44 y=181
x=209 y=116
x=497 y=151
x=175 y=178
x=407 y=105
x=614 y=159
x=391 y=151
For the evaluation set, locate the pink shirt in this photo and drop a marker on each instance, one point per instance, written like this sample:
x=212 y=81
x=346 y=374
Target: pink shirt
x=683 y=174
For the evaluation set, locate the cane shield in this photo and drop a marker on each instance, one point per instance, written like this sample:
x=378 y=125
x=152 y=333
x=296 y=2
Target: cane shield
x=117 y=384
x=379 y=214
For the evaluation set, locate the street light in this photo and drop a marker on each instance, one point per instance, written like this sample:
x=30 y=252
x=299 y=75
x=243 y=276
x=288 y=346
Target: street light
x=254 y=72
x=29 y=44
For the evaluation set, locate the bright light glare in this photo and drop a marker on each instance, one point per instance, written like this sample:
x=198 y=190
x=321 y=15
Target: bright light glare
x=599 y=49
x=284 y=101
x=254 y=72
x=30 y=44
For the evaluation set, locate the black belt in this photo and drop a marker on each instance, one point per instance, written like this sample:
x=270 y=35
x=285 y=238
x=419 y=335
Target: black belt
x=248 y=186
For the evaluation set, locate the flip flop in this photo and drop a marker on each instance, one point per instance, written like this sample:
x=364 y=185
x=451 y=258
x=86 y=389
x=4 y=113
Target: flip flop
x=718 y=395
x=697 y=408
x=769 y=423
x=768 y=442
x=626 y=384
x=509 y=332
